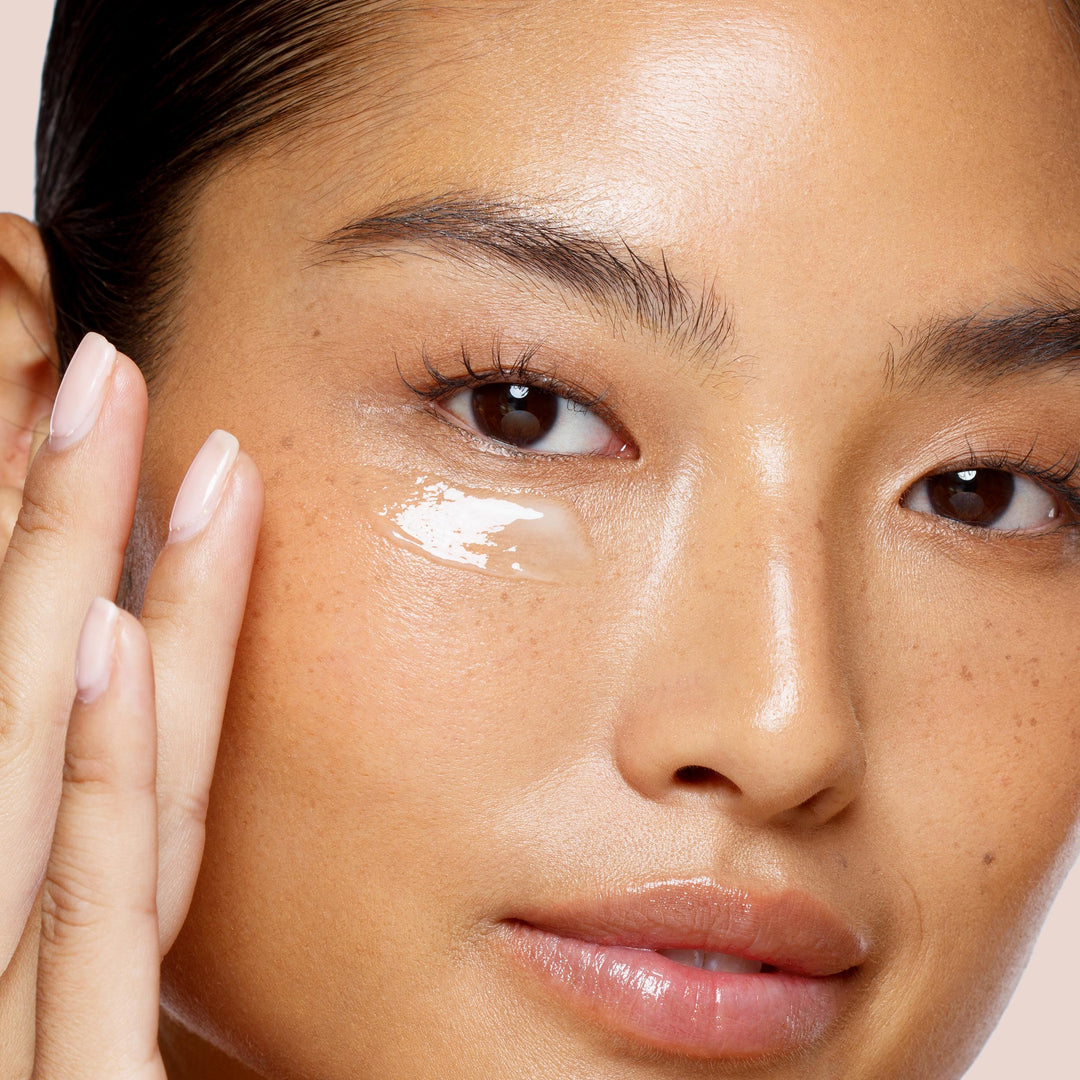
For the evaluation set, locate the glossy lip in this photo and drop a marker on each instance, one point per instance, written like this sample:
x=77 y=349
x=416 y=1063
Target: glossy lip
x=600 y=957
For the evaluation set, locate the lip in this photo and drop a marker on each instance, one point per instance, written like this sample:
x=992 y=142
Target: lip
x=600 y=957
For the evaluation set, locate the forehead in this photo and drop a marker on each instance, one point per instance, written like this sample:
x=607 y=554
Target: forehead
x=926 y=149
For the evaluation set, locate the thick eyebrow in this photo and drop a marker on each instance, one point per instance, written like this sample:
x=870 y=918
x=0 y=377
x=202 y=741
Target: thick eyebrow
x=1035 y=336
x=606 y=273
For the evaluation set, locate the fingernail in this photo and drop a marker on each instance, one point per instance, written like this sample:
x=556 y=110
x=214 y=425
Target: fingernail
x=82 y=392
x=97 y=642
x=203 y=486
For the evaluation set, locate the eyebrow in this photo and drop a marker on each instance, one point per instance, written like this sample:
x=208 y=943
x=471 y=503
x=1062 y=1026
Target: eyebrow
x=605 y=272
x=1039 y=334
x=1035 y=336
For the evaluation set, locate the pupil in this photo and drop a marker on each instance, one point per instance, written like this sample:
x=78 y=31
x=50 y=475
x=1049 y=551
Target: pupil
x=518 y=415
x=973 y=496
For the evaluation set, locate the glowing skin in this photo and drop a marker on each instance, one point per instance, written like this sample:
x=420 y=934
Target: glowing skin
x=510 y=536
x=776 y=678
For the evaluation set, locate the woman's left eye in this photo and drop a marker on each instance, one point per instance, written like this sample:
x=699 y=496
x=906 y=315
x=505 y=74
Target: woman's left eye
x=993 y=499
x=534 y=419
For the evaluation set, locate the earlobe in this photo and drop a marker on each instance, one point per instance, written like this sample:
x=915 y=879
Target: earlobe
x=28 y=357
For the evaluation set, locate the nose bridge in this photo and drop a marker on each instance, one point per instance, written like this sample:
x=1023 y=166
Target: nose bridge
x=745 y=697
x=795 y=636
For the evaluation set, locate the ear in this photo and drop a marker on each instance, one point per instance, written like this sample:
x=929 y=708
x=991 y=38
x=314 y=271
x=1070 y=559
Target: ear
x=29 y=363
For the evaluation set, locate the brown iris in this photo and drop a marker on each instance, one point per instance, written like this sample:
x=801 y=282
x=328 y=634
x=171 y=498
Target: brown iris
x=518 y=415
x=972 y=496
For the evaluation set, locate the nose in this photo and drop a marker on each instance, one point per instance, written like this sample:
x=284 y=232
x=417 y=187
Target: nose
x=745 y=702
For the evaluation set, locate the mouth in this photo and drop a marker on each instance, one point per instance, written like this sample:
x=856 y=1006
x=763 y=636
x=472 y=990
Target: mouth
x=714 y=961
x=695 y=968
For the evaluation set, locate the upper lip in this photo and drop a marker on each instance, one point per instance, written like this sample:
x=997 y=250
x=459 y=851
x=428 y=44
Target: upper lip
x=787 y=930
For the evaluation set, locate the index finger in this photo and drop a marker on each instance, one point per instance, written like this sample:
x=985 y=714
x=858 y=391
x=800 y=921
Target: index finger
x=67 y=548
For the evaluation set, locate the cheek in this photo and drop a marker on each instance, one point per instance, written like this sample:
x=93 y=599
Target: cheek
x=976 y=708
x=973 y=738
x=411 y=700
x=386 y=718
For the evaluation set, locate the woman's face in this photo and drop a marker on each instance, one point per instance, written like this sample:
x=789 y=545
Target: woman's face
x=711 y=662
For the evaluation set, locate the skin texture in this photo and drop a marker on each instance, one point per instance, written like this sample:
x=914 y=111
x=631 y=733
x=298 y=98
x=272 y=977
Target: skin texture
x=885 y=701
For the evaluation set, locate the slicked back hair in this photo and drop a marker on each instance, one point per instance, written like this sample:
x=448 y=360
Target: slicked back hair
x=140 y=100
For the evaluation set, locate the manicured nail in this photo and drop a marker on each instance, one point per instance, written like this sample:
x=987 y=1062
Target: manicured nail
x=97 y=642
x=203 y=486
x=82 y=393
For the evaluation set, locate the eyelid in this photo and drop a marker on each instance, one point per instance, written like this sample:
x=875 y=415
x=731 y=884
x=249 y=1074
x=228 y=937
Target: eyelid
x=526 y=370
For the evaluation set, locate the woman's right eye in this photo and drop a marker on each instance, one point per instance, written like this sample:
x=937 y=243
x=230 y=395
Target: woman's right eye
x=534 y=419
x=993 y=499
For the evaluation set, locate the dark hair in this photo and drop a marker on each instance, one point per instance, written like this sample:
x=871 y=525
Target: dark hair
x=140 y=100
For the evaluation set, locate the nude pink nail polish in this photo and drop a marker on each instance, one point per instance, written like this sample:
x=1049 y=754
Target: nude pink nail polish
x=97 y=643
x=203 y=486
x=82 y=393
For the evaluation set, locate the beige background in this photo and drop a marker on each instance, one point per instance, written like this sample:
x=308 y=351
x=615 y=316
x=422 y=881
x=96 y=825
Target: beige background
x=1036 y=1038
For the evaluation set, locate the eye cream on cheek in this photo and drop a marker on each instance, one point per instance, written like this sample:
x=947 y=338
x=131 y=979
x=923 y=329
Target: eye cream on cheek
x=507 y=536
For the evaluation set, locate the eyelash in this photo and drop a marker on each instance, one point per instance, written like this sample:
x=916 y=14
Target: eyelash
x=523 y=370
x=1062 y=478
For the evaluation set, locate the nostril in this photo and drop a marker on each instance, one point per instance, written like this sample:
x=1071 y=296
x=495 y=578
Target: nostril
x=695 y=774
x=703 y=776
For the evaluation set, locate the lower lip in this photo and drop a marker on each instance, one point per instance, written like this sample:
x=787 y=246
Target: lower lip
x=681 y=1009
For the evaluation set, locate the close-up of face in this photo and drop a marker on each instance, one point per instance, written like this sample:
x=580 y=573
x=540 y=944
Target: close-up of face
x=659 y=655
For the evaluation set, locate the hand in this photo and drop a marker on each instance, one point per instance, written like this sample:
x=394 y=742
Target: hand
x=105 y=776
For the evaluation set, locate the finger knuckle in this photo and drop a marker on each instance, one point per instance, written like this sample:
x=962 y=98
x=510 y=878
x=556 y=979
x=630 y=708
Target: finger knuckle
x=69 y=907
x=40 y=521
x=183 y=807
x=108 y=761
x=76 y=902
x=89 y=769
x=161 y=609
x=18 y=731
